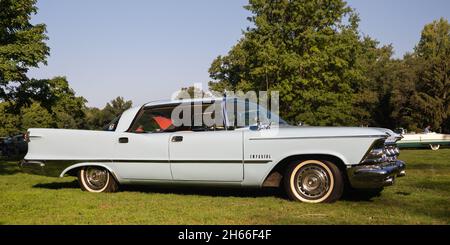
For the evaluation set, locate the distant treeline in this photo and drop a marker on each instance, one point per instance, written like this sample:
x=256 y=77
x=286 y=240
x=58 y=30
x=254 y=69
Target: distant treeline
x=66 y=111
x=326 y=71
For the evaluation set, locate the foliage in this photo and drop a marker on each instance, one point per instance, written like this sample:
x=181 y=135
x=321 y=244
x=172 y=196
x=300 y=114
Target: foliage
x=22 y=46
x=61 y=109
x=309 y=51
x=98 y=118
x=27 y=102
x=9 y=122
x=67 y=108
x=35 y=116
x=191 y=92
x=115 y=107
x=421 y=91
x=31 y=102
x=327 y=74
x=433 y=86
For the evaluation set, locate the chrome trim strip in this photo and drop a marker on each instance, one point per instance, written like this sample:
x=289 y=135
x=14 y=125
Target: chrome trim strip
x=150 y=161
x=321 y=137
x=54 y=168
x=137 y=161
x=256 y=161
x=220 y=161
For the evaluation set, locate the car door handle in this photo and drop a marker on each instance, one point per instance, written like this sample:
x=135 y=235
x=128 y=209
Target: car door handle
x=123 y=140
x=177 y=138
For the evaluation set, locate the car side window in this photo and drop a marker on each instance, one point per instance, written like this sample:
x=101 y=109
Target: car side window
x=207 y=118
x=241 y=114
x=153 y=120
x=159 y=119
x=244 y=114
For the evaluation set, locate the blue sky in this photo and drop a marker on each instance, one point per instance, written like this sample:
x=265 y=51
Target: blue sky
x=145 y=50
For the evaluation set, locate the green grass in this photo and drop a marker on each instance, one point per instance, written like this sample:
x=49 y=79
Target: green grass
x=422 y=197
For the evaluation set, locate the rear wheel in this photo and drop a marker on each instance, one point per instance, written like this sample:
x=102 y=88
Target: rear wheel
x=313 y=181
x=96 y=179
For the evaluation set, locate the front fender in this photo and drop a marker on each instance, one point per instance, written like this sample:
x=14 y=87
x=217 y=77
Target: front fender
x=316 y=155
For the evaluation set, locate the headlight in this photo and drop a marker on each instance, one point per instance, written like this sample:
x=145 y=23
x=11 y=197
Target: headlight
x=392 y=150
x=397 y=151
x=375 y=153
x=381 y=152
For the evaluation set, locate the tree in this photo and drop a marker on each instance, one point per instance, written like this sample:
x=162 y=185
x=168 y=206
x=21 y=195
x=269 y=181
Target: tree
x=35 y=116
x=191 y=92
x=433 y=86
x=67 y=109
x=422 y=87
x=39 y=102
x=372 y=93
x=115 y=108
x=22 y=45
x=403 y=114
x=310 y=51
x=60 y=101
x=96 y=118
x=9 y=122
x=60 y=109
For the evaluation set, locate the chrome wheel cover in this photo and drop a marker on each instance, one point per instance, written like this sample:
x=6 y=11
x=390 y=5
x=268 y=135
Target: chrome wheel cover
x=312 y=182
x=96 y=178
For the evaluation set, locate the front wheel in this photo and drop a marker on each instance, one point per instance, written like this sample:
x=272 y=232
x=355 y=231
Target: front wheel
x=96 y=179
x=435 y=147
x=313 y=181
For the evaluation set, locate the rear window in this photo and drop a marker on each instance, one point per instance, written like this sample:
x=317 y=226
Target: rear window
x=112 y=125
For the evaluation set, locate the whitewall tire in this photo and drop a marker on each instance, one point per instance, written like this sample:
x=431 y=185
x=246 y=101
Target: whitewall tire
x=313 y=181
x=96 y=179
x=435 y=147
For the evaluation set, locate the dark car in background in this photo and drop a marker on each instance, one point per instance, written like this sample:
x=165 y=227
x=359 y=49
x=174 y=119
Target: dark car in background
x=2 y=146
x=13 y=146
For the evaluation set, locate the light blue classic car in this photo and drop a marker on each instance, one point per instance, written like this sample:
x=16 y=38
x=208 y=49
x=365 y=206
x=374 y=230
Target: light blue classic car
x=147 y=145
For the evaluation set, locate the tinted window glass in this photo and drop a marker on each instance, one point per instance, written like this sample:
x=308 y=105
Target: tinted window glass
x=244 y=114
x=209 y=118
x=112 y=125
x=153 y=120
x=159 y=119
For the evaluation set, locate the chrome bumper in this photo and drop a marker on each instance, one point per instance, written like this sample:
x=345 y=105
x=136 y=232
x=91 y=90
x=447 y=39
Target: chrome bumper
x=376 y=175
x=41 y=167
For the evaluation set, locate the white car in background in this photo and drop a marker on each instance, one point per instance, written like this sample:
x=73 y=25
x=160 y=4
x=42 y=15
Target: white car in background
x=143 y=146
x=432 y=140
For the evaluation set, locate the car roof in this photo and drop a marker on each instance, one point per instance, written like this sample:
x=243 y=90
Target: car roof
x=195 y=100
x=178 y=101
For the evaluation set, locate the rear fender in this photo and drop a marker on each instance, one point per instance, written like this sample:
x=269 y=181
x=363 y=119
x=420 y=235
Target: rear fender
x=85 y=164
